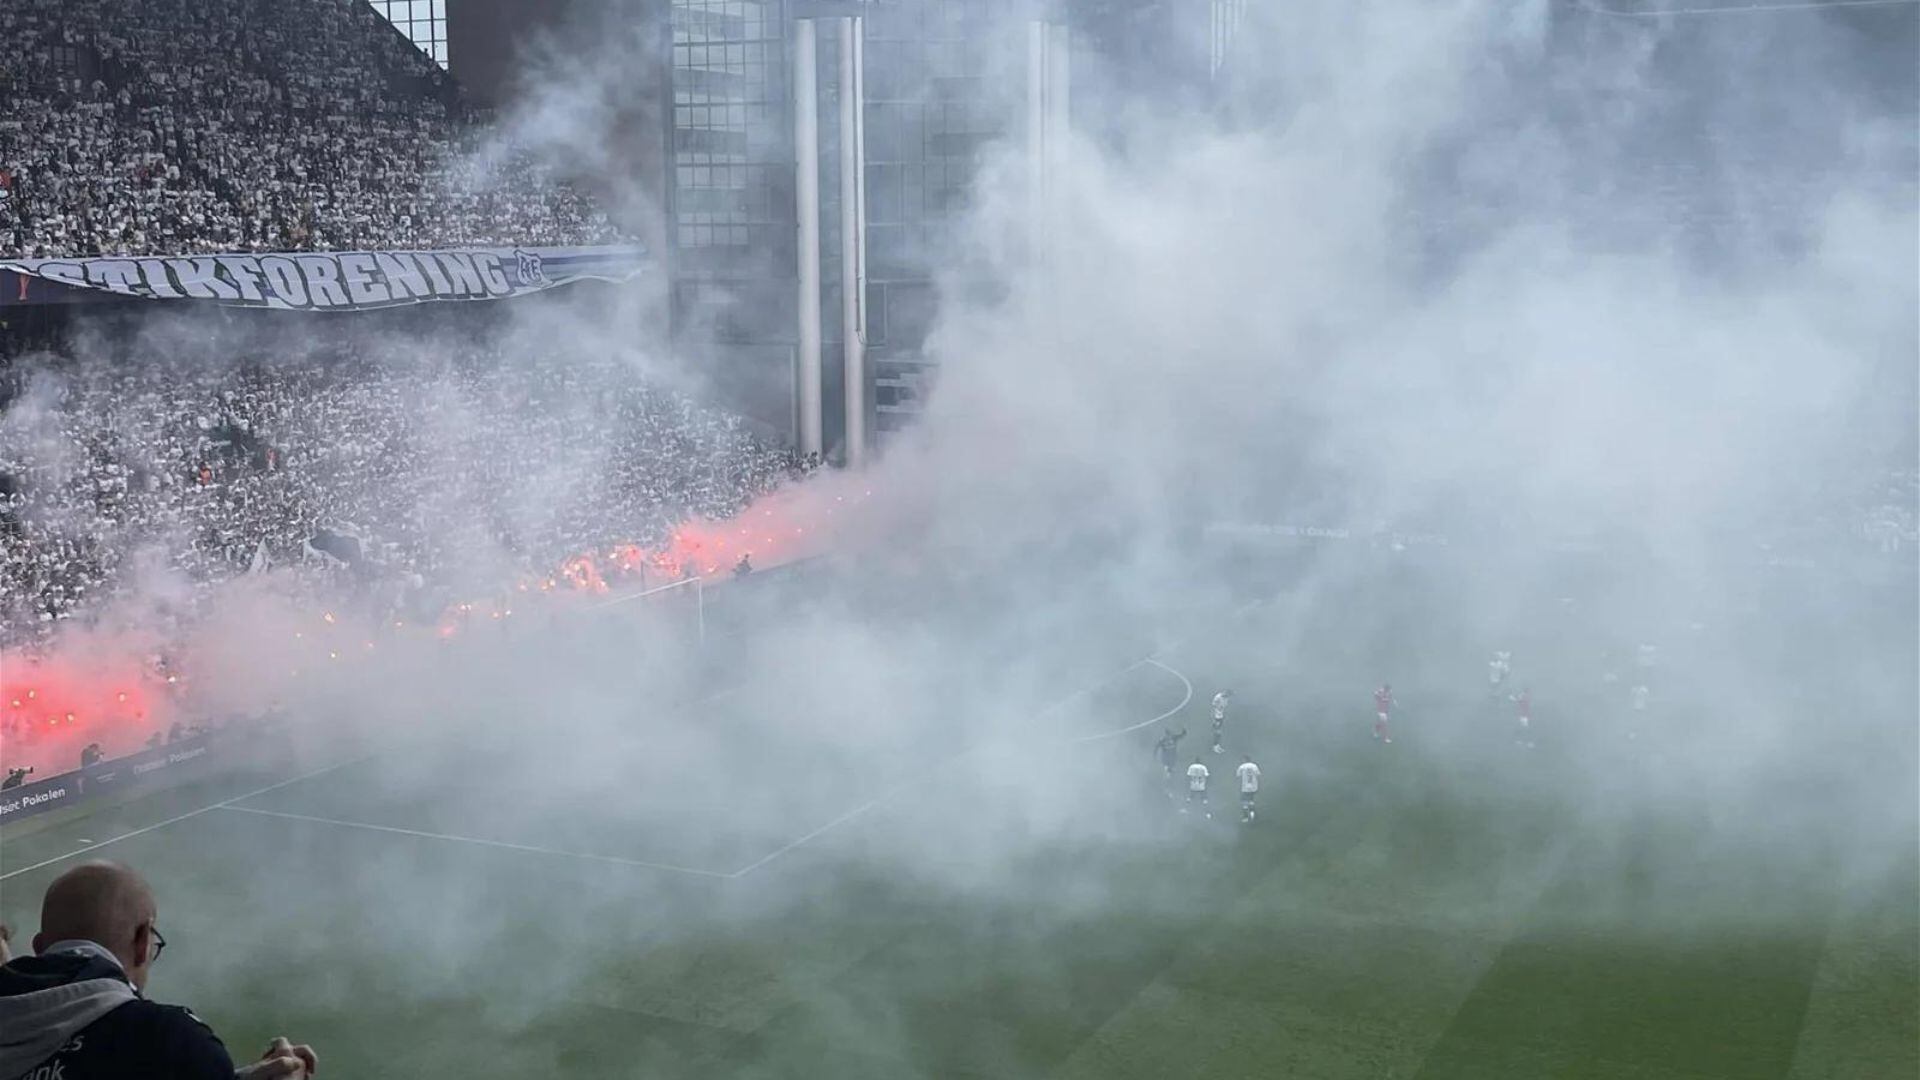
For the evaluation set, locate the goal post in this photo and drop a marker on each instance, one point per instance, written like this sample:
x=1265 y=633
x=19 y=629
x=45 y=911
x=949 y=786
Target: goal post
x=687 y=594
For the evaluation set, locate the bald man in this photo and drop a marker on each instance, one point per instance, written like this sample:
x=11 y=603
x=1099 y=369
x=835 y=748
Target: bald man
x=77 y=1009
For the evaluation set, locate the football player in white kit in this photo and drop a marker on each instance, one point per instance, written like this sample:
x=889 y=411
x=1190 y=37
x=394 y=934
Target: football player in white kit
x=1249 y=776
x=1197 y=788
x=1637 y=700
x=1523 y=714
x=1498 y=669
x=1220 y=701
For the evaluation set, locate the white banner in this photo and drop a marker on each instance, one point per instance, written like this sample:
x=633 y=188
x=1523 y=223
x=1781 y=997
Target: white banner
x=343 y=280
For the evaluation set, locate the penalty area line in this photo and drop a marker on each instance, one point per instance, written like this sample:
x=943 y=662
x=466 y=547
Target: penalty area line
x=143 y=830
x=897 y=789
x=887 y=795
x=841 y=820
x=1184 y=702
x=1152 y=659
x=477 y=841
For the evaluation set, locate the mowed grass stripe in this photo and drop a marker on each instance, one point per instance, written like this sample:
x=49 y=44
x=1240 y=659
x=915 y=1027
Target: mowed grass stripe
x=1011 y=982
x=1863 y=1019
x=1662 y=953
x=1156 y=1029
x=878 y=976
x=1351 y=954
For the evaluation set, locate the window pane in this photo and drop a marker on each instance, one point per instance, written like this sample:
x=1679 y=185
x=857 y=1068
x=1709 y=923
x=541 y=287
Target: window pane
x=422 y=21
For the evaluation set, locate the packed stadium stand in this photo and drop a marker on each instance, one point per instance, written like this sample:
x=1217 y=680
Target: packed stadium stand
x=154 y=452
x=131 y=127
x=427 y=457
x=163 y=448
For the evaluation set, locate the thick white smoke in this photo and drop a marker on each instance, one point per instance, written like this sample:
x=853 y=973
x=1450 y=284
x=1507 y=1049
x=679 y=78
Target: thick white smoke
x=1522 y=275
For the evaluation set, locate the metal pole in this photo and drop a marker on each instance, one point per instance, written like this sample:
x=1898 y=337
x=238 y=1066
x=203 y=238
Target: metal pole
x=1059 y=102
x=854 y=347
x=806 y=188
x=1036 y=131
x=860 y=141
x=1059 y=87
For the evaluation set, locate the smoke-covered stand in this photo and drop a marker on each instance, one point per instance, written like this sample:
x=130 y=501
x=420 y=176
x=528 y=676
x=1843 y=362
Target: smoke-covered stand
x=259 y=741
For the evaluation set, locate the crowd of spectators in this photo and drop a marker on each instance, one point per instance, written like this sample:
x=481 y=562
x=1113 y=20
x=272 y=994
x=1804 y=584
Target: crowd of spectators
x=1885 y=515
x=172 y=127
x=377 y=462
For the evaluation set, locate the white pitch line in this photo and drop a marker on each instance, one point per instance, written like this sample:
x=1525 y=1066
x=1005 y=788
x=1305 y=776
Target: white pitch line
x=1184 y=681
x=841 y=820
x=143 y=830
x=450 y=838
x=1089 y=688
x=228 y=804
x=1239 y=610
x=891 y=792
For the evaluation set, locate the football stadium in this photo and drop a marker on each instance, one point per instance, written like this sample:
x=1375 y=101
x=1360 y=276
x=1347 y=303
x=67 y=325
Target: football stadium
x=960 y=539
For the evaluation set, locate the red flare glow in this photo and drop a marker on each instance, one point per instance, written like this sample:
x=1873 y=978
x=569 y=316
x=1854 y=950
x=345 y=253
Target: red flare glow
x=74 y=700
x=582 y=573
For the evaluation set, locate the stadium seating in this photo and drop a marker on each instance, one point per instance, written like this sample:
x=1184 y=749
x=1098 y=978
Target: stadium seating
x=213 y=470
x=190 y=126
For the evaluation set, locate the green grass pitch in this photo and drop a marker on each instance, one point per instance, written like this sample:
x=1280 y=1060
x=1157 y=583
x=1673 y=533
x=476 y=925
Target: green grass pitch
x=1441 y=908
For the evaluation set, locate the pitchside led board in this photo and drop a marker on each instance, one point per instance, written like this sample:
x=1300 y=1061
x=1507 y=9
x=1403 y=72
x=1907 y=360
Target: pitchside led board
x=320 y=281
x=158 y=767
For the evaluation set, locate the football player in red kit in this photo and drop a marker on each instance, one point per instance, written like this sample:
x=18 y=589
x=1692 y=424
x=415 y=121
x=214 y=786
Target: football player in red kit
x=1382 y=705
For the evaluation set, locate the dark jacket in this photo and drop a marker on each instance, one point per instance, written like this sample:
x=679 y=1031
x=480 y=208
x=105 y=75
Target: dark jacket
x=70 y=1013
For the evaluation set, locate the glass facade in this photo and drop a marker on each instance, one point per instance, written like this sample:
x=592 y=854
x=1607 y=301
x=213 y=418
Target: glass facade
x=731 y=186
x=945 y=85
x=730 y=124
x=423 y=21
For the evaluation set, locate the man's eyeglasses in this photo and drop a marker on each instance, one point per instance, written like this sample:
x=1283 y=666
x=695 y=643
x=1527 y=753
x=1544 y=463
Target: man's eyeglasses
x=159 y=944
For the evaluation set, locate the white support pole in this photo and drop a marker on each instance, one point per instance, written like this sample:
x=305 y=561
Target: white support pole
x=1059 y=121
x=806 y=189
x=1224 y=18
x=860 y=141
x=1036 y=135
x=1216 y=32
x=852 y=308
